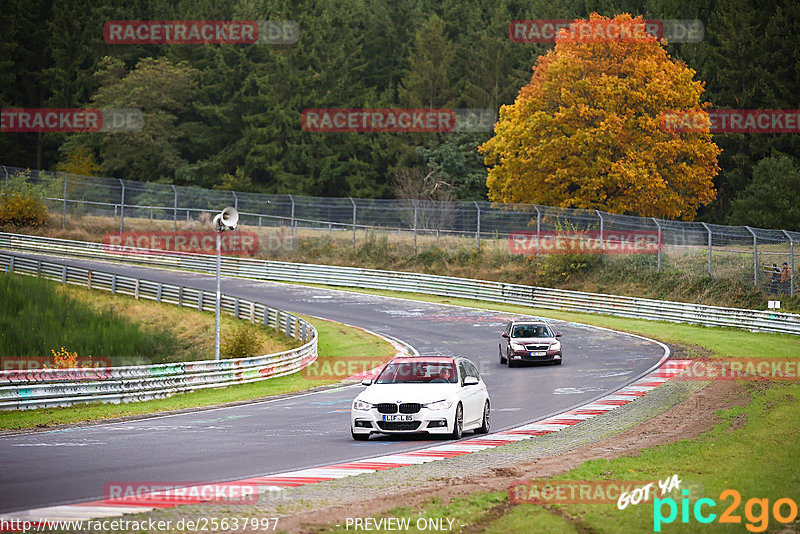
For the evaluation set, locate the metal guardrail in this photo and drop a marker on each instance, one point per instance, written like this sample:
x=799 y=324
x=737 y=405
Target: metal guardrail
x=39 y=388
x=547 y=298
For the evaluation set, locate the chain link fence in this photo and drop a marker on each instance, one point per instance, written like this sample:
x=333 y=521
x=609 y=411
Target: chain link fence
x=734 y=252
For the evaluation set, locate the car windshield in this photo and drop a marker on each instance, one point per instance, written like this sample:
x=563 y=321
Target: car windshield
x=531 y=330
x=418 y=373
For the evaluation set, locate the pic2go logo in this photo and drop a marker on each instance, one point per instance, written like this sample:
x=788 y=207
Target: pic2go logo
x=758 y=521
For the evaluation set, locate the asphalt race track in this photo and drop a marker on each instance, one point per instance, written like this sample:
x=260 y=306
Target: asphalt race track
x=307 y=430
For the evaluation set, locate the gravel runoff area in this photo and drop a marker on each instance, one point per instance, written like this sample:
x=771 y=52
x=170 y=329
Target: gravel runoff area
x=308 y=507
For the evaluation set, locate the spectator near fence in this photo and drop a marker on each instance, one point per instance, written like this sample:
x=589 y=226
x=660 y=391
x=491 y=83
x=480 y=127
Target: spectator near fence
x=786 y=278
x=776 y=278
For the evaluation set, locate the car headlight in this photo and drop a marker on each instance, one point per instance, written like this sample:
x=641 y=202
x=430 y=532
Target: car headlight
x=361 y=405
x=517 y=346
x=439 y=405
x=555 y=346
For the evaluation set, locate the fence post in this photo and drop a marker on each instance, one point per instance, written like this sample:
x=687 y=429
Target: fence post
x=291 y=226
x=122 y=208
x=414 y=202
x=755 y=256
x=602 y=239
x=354 y=221
x=791 y=262
x=538 y=229
x=709 y=247
x=478 y=229
x=64 y=207
x=174 y=209
x=658 y=262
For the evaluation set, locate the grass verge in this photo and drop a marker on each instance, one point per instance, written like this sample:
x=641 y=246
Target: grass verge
x=335 y=340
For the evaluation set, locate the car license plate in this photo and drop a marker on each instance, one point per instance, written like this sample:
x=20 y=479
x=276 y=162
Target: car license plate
x=539 y=353
x=398 y=418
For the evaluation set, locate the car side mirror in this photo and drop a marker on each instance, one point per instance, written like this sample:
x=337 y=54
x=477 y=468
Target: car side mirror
x=470 y=381
x=505 y=335
x=366 y=382
x=558 y=334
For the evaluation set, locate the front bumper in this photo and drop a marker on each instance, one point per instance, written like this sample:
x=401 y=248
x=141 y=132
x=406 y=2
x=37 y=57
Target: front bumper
x=525 y=356
x=425 y=421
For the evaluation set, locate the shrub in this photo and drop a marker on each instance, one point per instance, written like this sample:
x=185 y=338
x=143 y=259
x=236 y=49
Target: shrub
x=243 y=341
x=22 y=204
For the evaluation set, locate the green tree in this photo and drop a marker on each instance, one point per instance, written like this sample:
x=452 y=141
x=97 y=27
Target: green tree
x=770 y=200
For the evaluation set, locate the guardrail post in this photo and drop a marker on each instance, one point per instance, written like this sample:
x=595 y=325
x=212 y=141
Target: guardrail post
x=478 y=229
x=414 y=202
x=289 y=320
x=658 y=261
x=39 y=268
x=354 y=225
x=709 y=247
x=159 y=291
x=64 y=207
x=122 y=207
x=266 y=315
x=200 y=300
x=791 y=262
x=136 y=289
x=252 y=312
x=174 y=209
x=11 y=264
x=180 y=296
x=63 y=274
x=113 y=284
x=538 y=229
x=602 y=238
x=236 y=307
x=291 y=226
x=755 y=256
x=89 y=279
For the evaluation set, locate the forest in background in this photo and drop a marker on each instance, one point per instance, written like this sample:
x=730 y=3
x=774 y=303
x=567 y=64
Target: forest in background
x=228 y=116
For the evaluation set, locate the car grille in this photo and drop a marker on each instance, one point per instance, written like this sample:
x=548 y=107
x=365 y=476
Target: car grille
x=410 y=407
x=387 y=407
x=537 y=347
x=398 y=425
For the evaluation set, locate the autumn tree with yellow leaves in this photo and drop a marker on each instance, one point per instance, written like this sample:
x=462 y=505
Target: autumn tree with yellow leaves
x=587 y=133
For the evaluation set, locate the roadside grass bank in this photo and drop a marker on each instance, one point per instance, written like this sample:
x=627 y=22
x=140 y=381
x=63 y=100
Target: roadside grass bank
x=335 y=341
x=751 y=449
x=683 y=276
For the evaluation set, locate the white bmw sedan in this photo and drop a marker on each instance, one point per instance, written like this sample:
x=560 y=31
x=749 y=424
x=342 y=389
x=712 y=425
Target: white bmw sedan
x=435 y=395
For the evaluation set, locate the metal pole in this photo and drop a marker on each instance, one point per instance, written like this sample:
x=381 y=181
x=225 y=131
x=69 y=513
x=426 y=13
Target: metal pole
x=658 y=264
x=791 y=262
x=709 y=248
x=755 y=256
x=64 y=208
x=235 y=200
x=602 y=240
x=354 y=221
x=478 y=230
x=414 y=202
x=122 y=208
x=174 y=209
x=291 y=226
x=216 y=318
x=538 y=230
